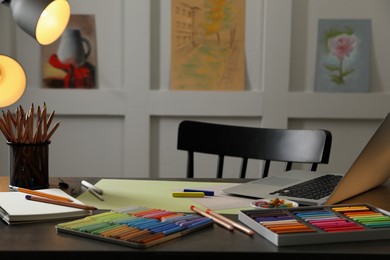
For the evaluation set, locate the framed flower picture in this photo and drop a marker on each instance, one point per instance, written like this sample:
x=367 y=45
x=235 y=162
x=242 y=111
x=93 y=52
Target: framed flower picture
x=343 y=55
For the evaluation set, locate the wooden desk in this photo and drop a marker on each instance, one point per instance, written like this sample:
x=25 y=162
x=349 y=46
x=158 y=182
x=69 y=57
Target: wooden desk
x=41 y=239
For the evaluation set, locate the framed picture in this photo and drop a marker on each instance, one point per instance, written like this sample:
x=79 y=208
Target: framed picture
x=207 y=51
x=70 y=62
x=343 y=55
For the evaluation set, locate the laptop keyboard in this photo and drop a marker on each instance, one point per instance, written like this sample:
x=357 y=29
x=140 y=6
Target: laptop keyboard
x=314 y=189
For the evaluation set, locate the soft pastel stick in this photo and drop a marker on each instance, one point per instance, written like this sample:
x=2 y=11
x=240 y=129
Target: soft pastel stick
x=201 y=222
x=352 y=208
x=341 y=229
x=135 y=234
x=173 y=230
x=155 y=225
x=172 y=216
x=294 y=231
x=146 y=212
x=179 y=218
x=158 y=215
x=195 y=194
x=150 y=238
x=378 y=224
x=114 y=230
x=206 y=192
x=125 y=233
x=100 y=230
x=163 y=227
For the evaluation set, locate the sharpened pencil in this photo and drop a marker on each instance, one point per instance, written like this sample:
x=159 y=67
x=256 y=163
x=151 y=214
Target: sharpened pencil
x=59 y=202
x=216 y=220
x=41 y=194
x=231 y=222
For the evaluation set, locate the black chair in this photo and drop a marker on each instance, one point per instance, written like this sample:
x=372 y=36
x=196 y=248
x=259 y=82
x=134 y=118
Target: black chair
x=284 y=145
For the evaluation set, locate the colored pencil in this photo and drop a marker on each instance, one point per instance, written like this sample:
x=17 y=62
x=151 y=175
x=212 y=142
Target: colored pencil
x=231 y=222
x=41 y=194
x=59 y=202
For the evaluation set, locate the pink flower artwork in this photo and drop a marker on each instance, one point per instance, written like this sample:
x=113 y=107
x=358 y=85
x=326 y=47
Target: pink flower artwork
x=343 y=55
x=341 y=46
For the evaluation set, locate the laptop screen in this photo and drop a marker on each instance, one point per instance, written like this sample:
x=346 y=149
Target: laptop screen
x=370 y=169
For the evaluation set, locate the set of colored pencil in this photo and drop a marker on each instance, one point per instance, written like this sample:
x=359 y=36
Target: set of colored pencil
x=28 y=127
x=138 y=225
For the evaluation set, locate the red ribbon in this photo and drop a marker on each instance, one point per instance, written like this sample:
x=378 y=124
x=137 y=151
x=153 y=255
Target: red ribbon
x=75 y=77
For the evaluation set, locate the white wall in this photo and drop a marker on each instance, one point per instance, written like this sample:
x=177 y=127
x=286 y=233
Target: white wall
x=128 y=126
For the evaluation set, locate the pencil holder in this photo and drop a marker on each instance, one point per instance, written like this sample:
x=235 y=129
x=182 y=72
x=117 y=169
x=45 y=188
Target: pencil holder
x=29 y=165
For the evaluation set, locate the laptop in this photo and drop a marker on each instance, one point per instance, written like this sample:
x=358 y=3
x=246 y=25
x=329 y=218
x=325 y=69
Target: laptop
x=370 y=169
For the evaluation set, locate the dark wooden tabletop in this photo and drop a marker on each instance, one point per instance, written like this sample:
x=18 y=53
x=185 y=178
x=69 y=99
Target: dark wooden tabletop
x=42 y=240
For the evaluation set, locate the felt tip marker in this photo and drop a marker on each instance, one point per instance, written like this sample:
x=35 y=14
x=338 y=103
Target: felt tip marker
x=89 y=185
x=94 y=193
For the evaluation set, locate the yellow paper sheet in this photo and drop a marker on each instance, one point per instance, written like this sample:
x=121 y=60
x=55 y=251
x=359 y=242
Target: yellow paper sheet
x=119 y=193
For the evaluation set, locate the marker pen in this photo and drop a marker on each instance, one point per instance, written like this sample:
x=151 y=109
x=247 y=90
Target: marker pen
x=97 y=195
x=89 y=185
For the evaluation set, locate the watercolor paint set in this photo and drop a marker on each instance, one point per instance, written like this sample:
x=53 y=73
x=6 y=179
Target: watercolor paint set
x=135 y=226
x=318 y=224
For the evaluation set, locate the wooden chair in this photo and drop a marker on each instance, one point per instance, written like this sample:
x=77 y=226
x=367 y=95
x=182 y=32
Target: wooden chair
x=284 y=145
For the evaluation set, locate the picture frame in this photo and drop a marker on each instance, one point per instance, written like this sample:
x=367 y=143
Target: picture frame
x=208 y=45
x=343 y=55
x=71 y=61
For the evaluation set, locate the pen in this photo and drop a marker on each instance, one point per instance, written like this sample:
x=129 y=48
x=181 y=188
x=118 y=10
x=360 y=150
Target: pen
x=231 y=222
x=59 y=202
x=97 y=195
x=89 y=185
x=206 y=192
x=217 y=220
x=42 y=194
x=188 y=194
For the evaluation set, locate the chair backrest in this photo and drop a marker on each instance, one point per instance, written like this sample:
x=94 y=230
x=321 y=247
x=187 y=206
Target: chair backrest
x=267 y=144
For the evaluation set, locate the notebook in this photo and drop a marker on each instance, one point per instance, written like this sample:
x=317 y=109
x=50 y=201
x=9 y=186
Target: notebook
x=370 y=169
x=16 y=209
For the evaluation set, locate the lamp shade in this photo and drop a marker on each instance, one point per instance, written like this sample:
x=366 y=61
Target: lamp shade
x=12 y=81
x=45 y=20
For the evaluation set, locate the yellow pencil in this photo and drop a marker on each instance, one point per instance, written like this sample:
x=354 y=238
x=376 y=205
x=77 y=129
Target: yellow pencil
x=39 y=193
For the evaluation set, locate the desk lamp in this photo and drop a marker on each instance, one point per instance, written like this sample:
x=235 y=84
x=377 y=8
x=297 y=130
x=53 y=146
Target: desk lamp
x=12 y=81
x=44 y=20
